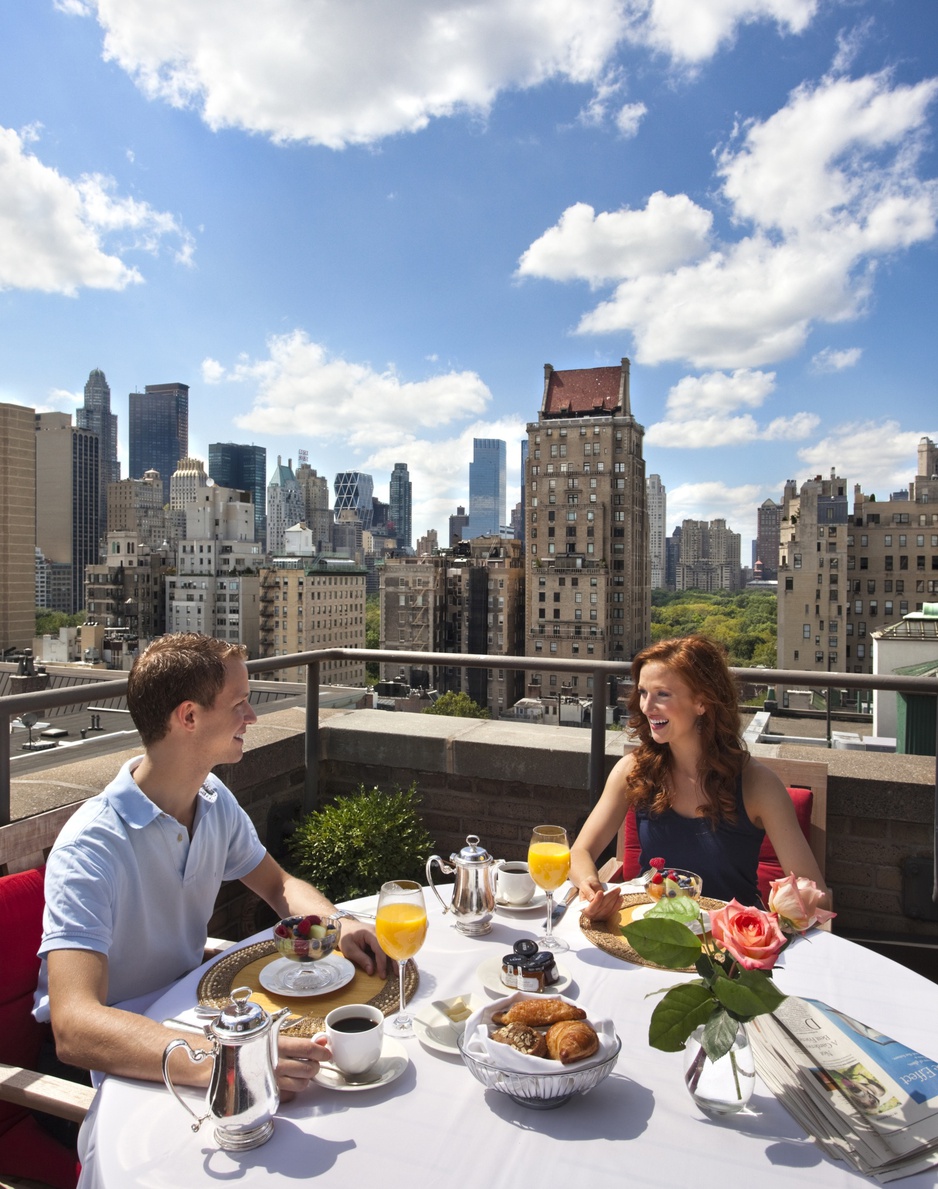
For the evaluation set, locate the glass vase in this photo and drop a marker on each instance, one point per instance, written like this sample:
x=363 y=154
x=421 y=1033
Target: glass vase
x=720 y=1087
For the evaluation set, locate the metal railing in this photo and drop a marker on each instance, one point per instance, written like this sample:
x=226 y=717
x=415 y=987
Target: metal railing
x=600 y=671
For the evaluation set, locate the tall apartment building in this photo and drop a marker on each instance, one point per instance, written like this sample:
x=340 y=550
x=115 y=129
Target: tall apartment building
x=457 y=525
x=68 y=501
x=307 y=604
x=186 y=482
x=488 y=498
x=18 y=589
x=467 y=599
x=844 y=574
x=709 y=556
x=768 y=537
x=136 y=506
x=95 y=415
x=588 y=589
x=159 y=429
x=657 y=499
x=284 y=504
x=317 y=508
x=242 y=468
x=127 y=590
x=401 y=500
x=215 y=589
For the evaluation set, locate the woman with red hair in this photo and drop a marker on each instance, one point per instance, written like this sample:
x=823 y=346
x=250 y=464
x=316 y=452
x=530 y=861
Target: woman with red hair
x=700 y=801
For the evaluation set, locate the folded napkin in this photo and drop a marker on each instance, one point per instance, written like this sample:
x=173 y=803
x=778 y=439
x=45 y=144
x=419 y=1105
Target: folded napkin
x=477 y=1041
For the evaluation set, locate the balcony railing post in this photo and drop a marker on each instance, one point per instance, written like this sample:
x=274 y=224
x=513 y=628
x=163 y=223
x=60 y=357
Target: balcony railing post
x=311 y=777
x=598 y=734
x=934 y=894
x=5 y=770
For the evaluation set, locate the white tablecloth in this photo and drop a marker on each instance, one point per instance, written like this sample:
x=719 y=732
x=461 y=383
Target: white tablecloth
x=437 y=1125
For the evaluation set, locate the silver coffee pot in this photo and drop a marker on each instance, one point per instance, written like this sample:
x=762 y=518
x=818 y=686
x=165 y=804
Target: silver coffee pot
x=242 y=1095
x=473 y=899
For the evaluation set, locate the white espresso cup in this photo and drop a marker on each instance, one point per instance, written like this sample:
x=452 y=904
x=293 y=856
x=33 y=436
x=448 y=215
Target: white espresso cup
x=513 y=883
x=355 y=1033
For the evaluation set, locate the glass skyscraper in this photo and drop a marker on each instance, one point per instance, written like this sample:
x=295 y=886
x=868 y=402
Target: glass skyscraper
x=487 y=488
x=159 y=430
x=245 y=469
x=400 y=501
x=95 y=415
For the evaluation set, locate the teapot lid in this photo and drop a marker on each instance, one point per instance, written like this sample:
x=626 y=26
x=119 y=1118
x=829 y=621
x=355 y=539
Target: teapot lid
x=472 y=854
x=242 y=1015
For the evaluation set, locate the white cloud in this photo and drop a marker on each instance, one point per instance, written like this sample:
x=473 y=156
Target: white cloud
x=629 y=118
x=718 y=392
x=691 y=31
x=830 y=360
x=59 y=235
x=322 y=73
x=302 y=389
x=812 y=248
x=623 y=243
x=878 y=455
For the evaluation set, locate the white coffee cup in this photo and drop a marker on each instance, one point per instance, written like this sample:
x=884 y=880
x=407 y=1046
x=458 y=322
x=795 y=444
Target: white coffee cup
x=355 y=1033
x=513 y=883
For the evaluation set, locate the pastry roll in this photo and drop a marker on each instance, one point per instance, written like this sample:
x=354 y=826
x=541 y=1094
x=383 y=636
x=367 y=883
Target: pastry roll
x=524 y=1039
x=571 y=1040
x=538 y=1013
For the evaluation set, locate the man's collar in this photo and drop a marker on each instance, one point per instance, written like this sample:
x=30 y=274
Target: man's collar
x=136 y=809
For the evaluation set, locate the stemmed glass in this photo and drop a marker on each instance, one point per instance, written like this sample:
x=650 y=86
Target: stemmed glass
x=549 y=864
x=401 y=926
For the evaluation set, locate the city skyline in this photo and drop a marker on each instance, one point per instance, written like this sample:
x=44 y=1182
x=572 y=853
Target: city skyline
x=377 y=270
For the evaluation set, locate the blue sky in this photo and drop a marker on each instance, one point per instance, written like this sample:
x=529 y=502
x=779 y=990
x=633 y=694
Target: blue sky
x=362 y=229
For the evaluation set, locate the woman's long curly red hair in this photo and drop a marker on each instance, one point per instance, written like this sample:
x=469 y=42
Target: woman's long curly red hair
x=701 y=665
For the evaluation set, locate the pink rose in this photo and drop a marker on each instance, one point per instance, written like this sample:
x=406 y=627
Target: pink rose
x=750 y=935
x=796 y=899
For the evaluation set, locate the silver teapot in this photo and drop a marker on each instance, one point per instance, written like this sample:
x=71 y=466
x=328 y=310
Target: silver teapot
x=242 y=1095
x=473 y=899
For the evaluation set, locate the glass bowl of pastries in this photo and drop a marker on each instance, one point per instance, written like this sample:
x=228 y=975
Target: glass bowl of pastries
x=538 y=1050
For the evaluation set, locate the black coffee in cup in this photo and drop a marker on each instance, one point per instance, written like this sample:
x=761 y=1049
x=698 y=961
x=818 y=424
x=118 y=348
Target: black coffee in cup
x=354 y=1024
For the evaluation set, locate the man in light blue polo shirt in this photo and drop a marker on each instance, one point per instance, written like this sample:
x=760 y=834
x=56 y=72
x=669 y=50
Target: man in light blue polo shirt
x=132 y=879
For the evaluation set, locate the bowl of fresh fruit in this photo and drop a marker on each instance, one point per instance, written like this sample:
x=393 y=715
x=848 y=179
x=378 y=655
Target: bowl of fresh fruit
x=663 y=882
x=305 y=939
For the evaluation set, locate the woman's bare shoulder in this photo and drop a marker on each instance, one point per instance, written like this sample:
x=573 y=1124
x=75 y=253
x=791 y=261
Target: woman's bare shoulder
x=760 y=783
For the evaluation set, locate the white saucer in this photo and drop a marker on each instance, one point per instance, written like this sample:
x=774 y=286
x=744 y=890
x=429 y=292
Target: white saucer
x=338 y=972
x=391 y=1064
x=436 y=1030
x=538 y=900
x=490 y=974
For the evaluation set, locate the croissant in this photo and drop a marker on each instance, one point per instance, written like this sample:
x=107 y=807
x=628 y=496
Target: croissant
x=571 y=1040
x=524 y=1039
x=538 y=1013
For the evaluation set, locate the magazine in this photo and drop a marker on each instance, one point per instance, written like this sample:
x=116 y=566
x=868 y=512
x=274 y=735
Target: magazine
x=862 y=1096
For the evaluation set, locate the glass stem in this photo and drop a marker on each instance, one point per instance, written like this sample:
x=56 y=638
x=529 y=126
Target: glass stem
x=400 y=981
x=548 y=934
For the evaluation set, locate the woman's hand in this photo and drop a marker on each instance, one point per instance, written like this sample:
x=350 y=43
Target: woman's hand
x=601 y=904
x=298 y=1063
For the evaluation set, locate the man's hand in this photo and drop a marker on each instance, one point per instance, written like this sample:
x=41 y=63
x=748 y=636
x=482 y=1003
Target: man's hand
x=298 y=1063
x=359 y=944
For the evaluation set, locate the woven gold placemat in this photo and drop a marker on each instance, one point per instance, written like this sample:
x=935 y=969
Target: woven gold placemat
x=607 y=935
x=242 y=968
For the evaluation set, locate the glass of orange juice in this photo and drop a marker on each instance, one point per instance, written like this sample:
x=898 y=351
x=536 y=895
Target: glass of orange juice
x=549 y=864
x=401 y=926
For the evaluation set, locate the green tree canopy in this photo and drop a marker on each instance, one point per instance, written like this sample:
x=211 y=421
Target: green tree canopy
x=48 y=622
x=744 y=622
x=457 y=706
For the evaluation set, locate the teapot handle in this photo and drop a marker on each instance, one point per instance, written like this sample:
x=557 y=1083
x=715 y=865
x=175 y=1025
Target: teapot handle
x=446 y=870
x=196 y=1055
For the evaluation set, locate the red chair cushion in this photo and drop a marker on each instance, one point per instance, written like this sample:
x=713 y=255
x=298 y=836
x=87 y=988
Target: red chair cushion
x=25 y=1149
x=769 y=866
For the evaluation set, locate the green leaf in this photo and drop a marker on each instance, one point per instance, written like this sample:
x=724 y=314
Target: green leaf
x=718 y=1034
x=675 y=908
x=683 y=1009
x=666 y=943
x=750 y=994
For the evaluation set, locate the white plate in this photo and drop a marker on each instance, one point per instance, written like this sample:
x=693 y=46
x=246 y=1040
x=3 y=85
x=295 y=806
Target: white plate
x=435 y=1029
x=490 y=972
x=538 y=900
x=338 y=969
x=391 y=1064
